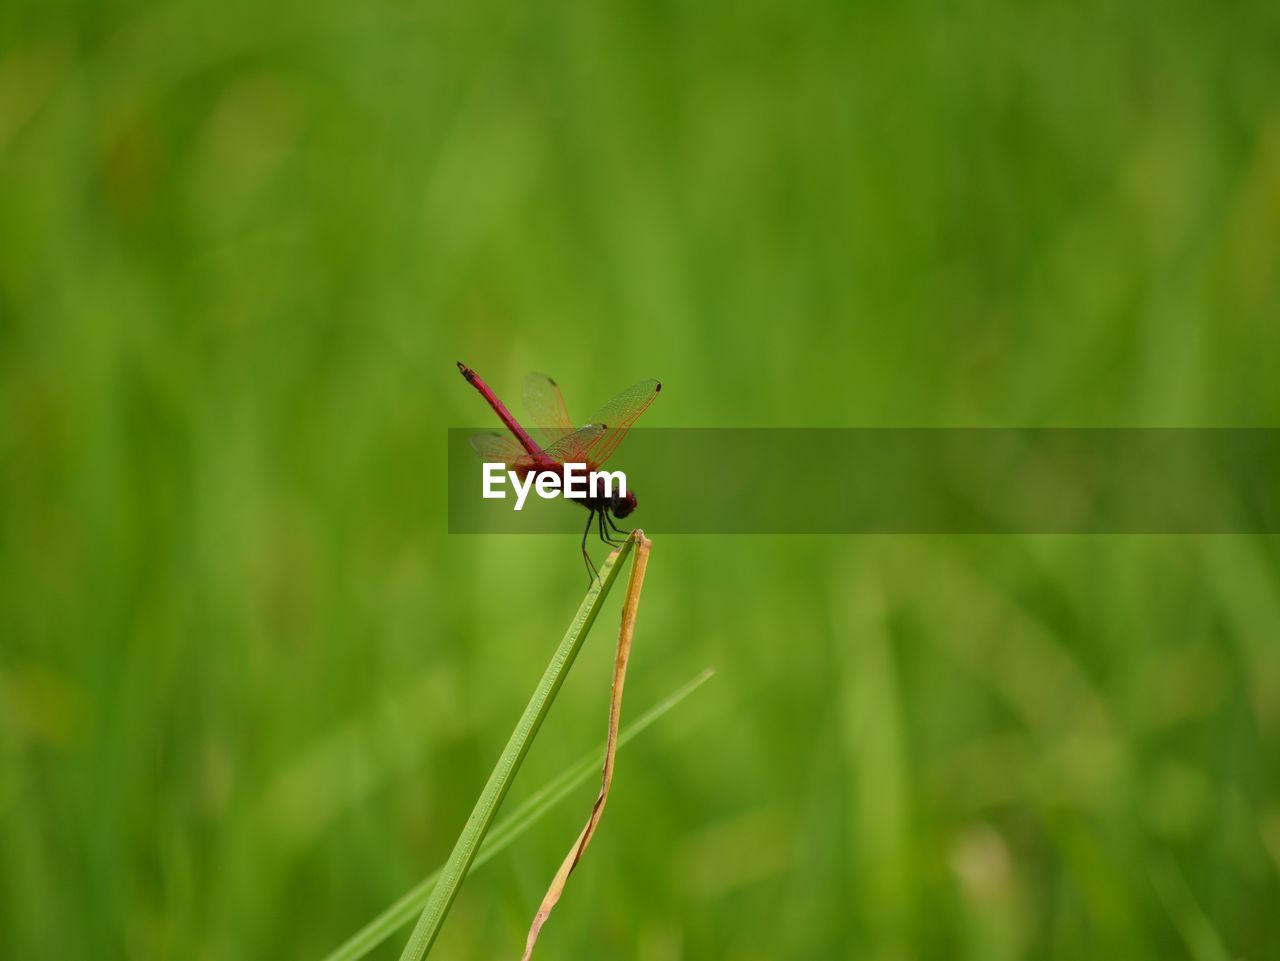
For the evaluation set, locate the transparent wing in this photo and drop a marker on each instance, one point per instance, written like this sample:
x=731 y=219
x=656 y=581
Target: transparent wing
x=500 y=449
x=548 y=417
x=616 y=417
x=573 y=448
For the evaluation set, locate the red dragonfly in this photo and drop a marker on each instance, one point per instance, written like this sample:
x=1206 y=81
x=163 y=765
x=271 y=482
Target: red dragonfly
x=562 y=443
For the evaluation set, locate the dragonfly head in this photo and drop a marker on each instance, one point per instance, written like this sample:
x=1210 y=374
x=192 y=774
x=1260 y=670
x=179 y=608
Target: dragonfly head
x=622 y=504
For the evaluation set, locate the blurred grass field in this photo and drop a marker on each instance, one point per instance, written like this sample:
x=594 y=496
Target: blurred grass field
x=249 y=688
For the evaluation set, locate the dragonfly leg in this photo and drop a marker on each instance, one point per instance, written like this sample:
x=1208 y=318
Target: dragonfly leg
x=592 y=573
x=616 y=528
x=604 y=536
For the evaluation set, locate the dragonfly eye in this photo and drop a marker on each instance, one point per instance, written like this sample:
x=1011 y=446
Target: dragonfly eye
x=623 y=504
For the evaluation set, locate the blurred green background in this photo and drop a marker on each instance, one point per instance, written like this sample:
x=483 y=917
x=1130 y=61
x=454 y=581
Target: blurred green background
x=250 y=688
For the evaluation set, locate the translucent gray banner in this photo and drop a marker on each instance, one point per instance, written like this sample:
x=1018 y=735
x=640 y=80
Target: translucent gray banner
x=914 y=481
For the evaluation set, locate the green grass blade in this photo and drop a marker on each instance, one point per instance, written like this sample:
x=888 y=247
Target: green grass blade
x=473 y=832
x=505 y=832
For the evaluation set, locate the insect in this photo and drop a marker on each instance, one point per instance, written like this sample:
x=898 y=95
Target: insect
x=558 y=442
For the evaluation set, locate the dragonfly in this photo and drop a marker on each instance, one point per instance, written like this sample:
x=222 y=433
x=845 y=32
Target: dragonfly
x=558 y=442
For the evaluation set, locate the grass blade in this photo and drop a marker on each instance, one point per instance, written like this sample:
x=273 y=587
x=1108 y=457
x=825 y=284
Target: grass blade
x=506 y=831
x=630 y=607
x=464 y=851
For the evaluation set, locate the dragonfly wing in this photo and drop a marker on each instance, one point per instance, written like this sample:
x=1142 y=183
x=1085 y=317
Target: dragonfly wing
x=548 y=416
x=617 y=416
x=500 y=449
x=573 y=448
